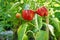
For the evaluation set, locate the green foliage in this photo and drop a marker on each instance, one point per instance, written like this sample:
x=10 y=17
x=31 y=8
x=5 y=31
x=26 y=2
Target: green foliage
x=57 y=14
x=55 y=23
x=25 y=37
x=42 y=35
x=8 y=20
x=21 y=31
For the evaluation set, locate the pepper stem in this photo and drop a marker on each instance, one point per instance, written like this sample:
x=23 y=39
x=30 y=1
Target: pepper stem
x=47 y=22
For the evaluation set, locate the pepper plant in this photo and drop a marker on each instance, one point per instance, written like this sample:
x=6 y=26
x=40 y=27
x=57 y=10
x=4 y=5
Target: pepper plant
x=31 y=19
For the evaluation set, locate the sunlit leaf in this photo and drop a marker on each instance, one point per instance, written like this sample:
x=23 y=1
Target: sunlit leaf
x=56 y=5
x=21 y=31
x=42 y=35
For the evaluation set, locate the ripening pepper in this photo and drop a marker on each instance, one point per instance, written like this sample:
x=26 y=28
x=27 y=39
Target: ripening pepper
x=42 y=11
x=18 y=15
x=28 y=14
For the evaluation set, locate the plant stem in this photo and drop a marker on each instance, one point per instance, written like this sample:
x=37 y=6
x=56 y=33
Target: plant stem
x=36 y=21
x=47 y=22
x=31 y=24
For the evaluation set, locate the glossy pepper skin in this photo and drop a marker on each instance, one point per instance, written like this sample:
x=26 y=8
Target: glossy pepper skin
x=42 y=11
x=28 y=14
x=17 y=15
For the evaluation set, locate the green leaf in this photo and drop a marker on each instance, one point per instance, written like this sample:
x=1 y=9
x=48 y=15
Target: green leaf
x=25 y=37
x=57 y=14
x=55 y=23
x=14 y=5
x=1 y=29
x=56 y=32
x=39 y=22
x=42 y=35
x=56 y=5
x=21 y=31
